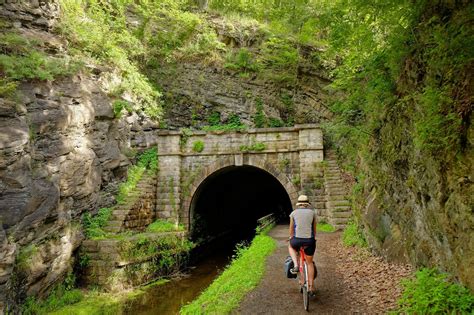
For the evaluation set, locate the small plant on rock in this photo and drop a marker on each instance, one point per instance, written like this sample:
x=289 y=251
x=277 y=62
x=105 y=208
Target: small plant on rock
x=198 y=146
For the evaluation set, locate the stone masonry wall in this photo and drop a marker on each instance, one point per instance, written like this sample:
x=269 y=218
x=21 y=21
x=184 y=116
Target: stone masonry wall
x=290 y=154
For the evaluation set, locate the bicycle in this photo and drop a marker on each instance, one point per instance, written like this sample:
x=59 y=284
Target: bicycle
x=303 y=275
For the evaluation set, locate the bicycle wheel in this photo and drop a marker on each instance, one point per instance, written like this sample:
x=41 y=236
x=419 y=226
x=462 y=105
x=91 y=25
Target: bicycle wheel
x=305 y=287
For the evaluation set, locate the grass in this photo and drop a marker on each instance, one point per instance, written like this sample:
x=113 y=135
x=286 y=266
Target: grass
x=93 y=225
x=62 y=295
x=241 y=276
x=430 y=292
x=352 y=236
x=103 y=303
x=164 y=226
x=325 y=227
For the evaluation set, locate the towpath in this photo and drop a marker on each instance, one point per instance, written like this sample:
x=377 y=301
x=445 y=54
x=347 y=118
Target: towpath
x=350 y=281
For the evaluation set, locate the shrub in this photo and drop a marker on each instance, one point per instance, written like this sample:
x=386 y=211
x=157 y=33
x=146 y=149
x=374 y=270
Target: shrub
x=198 y=146
x=119 y=106
x=241 y=61
x=62 y=295
x=259 y=119
x=430 y=292
x=164 y=226
x=93 y=224
x=352 y=236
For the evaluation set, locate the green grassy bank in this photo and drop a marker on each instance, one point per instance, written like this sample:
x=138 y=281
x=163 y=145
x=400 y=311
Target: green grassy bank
x=241 y=276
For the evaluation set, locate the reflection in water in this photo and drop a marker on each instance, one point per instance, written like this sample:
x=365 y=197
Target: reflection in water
x=168 y=298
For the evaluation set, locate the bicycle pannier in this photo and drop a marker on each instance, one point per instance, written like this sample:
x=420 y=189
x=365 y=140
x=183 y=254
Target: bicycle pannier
x=288 y=265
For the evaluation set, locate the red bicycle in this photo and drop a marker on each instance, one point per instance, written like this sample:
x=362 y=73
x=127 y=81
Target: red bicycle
x=303 y=278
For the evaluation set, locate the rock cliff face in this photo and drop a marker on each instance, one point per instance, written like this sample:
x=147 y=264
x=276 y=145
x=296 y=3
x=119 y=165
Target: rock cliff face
x=194 y=91
x=419 y=208
x=63 y=151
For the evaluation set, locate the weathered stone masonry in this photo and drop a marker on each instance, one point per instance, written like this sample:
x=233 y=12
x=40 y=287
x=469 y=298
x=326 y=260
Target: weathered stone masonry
x=291 y=155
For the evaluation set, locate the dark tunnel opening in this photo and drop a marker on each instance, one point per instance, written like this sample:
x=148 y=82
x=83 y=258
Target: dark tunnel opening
x=229 y=202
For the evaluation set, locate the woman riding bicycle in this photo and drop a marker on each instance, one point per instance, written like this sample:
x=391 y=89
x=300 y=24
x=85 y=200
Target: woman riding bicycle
x=303 y=233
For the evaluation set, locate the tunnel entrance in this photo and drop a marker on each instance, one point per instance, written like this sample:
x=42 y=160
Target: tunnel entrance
x=231 y=200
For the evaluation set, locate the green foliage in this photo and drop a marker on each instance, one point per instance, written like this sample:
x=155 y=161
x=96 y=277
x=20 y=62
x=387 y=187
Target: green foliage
x=325 y=227
x=164 y=226
x=214 y=119
x=436 y=130
x=233 y=124
x=167 y=251
x=93 y=225
x=61 y=296
x=119 y=106
x=99 y=31
x=241 y=276
x=259 y=119
x=7 y=87
x=296 y=180
x=431 y=293
x=21 y=59
x=242 y=61
x=147 y=161
x=198 y=146
x=185 y=134
x=352 y=235
x=275 y=123
x=318 y=183
x=280 y=59
x=25 y=256
x=256 y=146
x=35 y=65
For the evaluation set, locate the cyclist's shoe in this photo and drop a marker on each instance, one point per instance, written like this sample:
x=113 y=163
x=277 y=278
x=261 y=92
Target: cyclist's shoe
x=294 y=270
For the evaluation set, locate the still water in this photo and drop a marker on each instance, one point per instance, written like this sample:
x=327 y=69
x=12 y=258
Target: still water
x=170 y=297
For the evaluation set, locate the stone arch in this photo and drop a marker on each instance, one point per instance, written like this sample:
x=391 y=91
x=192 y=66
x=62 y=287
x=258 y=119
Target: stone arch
x=255 y=161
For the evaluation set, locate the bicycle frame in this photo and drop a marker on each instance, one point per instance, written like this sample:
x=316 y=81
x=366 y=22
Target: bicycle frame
x=303 y=268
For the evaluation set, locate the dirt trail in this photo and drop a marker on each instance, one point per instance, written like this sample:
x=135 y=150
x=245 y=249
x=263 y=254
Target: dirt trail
x=349 y=281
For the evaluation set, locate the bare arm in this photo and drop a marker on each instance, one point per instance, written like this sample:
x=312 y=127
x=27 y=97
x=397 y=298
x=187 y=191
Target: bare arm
x=292 y=227
x=315 y=223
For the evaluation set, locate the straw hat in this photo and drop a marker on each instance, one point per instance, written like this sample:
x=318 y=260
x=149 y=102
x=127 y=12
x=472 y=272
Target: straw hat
x=303 y=201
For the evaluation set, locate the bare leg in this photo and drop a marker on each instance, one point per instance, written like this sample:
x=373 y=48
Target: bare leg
x=309 y=262
x=293 y=254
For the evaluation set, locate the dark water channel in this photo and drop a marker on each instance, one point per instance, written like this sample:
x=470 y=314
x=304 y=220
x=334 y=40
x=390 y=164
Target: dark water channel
x=170 y=297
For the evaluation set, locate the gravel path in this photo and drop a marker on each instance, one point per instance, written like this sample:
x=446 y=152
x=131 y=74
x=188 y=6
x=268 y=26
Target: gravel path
x=349 y=281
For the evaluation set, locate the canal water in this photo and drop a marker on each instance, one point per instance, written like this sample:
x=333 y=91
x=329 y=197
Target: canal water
x=171 y=296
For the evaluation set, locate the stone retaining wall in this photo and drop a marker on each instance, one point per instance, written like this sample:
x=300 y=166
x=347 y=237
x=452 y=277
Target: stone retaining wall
x=110 y=268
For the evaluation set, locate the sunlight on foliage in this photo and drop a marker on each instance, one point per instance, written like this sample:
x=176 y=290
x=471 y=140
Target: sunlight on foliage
x=430 y=292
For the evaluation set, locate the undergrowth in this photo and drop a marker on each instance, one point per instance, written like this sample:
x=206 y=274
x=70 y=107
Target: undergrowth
x=352 y=236
x=164 y=226
x=430 y=292
x=61 y=296
x=325 y=227
x=233 y=124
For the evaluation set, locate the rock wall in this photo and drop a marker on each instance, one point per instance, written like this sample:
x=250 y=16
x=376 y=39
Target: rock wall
x=62 y=153
x=419 y=208
x=194 y=91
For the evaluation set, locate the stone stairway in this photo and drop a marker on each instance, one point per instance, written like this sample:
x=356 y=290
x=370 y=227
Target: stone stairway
x=138 y=211
x=338 y=206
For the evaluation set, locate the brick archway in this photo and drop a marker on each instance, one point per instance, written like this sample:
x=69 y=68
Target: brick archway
x=258 y=162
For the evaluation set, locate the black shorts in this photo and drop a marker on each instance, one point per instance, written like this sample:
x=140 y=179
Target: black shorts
x=310 y=243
